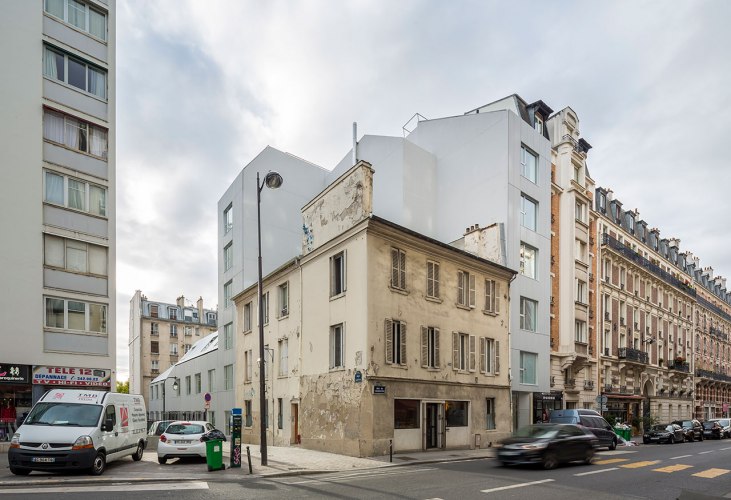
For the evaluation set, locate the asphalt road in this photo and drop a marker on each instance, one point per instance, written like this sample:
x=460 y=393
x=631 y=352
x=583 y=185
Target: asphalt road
x=651 y=472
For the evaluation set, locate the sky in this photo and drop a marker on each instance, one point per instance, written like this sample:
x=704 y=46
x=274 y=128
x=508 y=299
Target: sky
x=203 y=87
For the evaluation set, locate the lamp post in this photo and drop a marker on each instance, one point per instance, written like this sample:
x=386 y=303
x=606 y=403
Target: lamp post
x=272 y=180
x=175 y=388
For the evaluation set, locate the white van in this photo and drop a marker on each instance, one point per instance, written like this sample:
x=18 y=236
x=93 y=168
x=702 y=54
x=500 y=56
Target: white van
x=77 y=429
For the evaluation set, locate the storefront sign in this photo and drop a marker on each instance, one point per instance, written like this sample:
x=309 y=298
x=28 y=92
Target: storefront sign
x=379 y=389
x=14 y=374
x=64 y=375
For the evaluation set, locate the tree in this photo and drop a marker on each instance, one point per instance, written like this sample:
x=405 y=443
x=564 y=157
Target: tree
x=123 y=387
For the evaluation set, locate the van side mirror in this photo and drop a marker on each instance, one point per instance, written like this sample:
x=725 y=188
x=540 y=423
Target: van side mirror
x=108 y=425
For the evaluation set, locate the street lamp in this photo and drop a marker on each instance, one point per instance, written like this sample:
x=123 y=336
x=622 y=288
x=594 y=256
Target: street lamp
x=175 y=388
x=272 y=180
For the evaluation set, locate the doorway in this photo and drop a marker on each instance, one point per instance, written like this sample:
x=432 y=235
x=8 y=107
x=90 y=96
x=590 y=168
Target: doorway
x=433 y=419
x=296 y=439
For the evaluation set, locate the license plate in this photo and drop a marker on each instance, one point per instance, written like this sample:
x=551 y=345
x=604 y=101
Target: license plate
x=508 y=453
x=43 y=459
x=183 y=442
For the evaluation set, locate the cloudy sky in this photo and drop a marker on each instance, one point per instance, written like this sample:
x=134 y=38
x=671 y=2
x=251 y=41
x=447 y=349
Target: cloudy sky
x=202 y=87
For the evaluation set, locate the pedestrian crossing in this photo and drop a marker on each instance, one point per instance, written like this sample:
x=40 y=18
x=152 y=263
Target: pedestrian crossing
x=626 y=463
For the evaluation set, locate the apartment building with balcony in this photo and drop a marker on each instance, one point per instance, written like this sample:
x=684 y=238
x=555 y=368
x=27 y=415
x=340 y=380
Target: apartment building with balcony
x=160 y=333
x=57 y=151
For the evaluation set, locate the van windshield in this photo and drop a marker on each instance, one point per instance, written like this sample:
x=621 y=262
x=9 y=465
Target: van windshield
x=563 y=420
x=71 y=414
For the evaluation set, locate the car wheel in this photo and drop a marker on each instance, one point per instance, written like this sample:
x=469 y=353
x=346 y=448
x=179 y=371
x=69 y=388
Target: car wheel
x=589 y=456
x=162 y=461
x=671 y=439
x=701 y=438
x=550 y=460
x=645 y=441
x=99 y=464
x=613 y=444
x=20 y=472
x=138 y=454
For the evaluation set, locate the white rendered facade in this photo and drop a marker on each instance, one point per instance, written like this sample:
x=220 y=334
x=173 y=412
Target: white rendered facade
x=57 y=152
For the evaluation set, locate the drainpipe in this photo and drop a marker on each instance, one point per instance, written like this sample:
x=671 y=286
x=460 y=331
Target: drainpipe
x=355 y=143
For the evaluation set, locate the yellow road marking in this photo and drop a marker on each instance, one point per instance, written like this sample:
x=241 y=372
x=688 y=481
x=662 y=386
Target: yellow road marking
x=637 y=465
x=610 y=461
x=711 y=473
x=673 y=468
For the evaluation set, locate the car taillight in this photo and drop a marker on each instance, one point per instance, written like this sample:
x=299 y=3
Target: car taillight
x=163 y=438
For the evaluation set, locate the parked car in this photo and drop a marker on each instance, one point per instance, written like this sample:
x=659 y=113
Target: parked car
x=664 y=433
x=548 y=445
x=183 y=439
x=725 y=426
x=590 y=419
x=158 y=427
x=712 y=429
x=692 y=429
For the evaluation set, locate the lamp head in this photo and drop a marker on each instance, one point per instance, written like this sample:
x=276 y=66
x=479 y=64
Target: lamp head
x=175 y=385
x=273 y=180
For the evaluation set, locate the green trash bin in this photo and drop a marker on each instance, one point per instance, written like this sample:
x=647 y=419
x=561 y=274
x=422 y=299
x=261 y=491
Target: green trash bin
x=214 y=455
x=624 y=433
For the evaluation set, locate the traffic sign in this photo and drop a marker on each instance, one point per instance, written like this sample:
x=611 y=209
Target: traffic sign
x=602 y=400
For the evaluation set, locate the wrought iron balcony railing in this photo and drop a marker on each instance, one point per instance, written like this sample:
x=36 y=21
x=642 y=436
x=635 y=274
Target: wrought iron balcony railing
x=629 y=354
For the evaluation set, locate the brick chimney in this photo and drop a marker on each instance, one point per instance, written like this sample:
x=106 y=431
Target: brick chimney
x=180 y=301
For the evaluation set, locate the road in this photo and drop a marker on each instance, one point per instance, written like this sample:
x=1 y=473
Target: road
x=651 y=472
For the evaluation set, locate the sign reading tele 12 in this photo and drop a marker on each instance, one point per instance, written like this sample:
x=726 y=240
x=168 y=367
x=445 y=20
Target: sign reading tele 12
x=64 y=375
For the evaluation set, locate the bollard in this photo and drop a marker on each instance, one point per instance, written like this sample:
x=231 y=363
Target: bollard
x=390 y=450
x=248 y=456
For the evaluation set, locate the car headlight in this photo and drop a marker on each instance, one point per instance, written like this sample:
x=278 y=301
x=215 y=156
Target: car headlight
x=15 y=441
x=83 y=442
x=534 y=446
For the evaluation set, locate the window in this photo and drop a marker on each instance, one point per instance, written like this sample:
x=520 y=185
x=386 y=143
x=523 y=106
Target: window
x=528 y=367
x=490 y=414
x=538 y=124
x=187 y=347
x=228 y=377
x=528 y=260
x=432 y=279
x=173 y=349
x=581 y=291
x=187 y=384
x=283 y=357
x=75 y=134
x=249 y=415
x=528 y=309
x=74 y=256
x=398 y=269
x=492 y=299
x=188 y=331
x=173 y=330
x=248 y=365
x=154 y=347
x=228 y=336
x=280 y=413
x=463 y=352
x=395 y=333
x=228 y=222
x=68 y=69
x=465 y=289
x=406 y=413
x=489 y=356
x=577 y=174
x=337 y=346
x=456 y=413
x=76 y=315
x=528 y=163
x=153 y=310
x=580 y=212
x=580 y=331
x=283 y=293
x=429 y=347
x=528 y=212
x=581 y=254
x=173 y=312
x=247 y=317
x=228 y=293
x=154 y=329
x=198 y=383
x=73 y=193
x=80 y=15
x=228 y=256
x=265 y=307
x=337 y=274
x=155 y=365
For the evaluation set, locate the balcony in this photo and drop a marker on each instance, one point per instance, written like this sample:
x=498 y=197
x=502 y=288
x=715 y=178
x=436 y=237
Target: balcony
x=608 y=388
x=635 y=355
x=681 y=366
x=588 y=385
x=712 y=375
x=570 y=383
x=581 y=348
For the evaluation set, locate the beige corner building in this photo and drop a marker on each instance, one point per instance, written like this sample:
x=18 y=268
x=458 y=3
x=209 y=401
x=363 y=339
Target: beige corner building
x=378 y=334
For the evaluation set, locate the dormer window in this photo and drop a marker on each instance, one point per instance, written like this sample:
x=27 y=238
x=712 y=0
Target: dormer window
x=538 y=123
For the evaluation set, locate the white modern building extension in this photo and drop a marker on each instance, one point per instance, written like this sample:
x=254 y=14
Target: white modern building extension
x=57 y=151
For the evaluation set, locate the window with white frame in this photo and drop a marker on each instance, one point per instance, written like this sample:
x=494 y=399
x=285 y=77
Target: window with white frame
x=228 y=256
x=155 y=365
x=154 y=329
x=75 y=315
x=432 y=279
x=228 y=377
x=490 y=414
x=337 y=274
x=395 y=334
x=581 y=291
x=80 y=15
x=187 y=384
x=173 y=312
x=283 y=357
x=228 y=289
x=248 y=365
x=489 y=355
x=581 y=252
x=173 y=349
x=75 y=134
x=337 y=346
x=492 y=296
x=464 y=357
x=228 y=336
x=265 y=307
x=528 y=367
x=74 y=256
x=429 y=347
x=528 y=310
x=580 y=331
x=528 y=260
x=73 y=71
x=228 y=219
x=465 y=289
x=398 y=269
x=283 y=296
x=173 y=330
x=580 y=211
x=247 y=317
x=577 y=174
x=187 y=347
x=528 y=164
x=528 y=212
x=538 y=123
x=75 y=193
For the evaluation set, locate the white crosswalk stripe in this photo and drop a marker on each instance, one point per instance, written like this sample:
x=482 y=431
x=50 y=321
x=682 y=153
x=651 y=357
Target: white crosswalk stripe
x=166 y=486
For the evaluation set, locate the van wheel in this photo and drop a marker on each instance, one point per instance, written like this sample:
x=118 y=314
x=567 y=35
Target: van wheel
x=99 y=464
x=138 y=454
x=613 y=444
x=20 y=472
x=162 y=461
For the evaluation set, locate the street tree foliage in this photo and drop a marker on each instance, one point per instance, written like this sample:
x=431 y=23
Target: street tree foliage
x=123 y=387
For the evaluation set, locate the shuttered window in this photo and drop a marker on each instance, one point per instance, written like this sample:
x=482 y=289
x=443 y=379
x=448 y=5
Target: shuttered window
x=463 y=352
x=395 y=333
x=465 y=289
x=489 y=356
x=429 y=347
x=432 y=279
x=492 y=296
x=398 y=269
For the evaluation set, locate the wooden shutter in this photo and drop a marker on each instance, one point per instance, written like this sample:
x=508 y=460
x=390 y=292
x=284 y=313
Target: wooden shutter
x=402 y=347
x=497 y=297
x=483 y=357
x=455 y=351
x=430 y=279
x=472 y=290
x=424 y=347
x=402 y=269
x=436 y=280
x=436 y=348
x=389 y=341
x=497 y=357
x=473 y=361
x=460 y=288
x=394 y=267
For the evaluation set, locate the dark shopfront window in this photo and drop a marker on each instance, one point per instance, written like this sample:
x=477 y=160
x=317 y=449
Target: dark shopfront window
x=544 y=403
x=15 y=402
x=406 y=413
x=456 y=413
